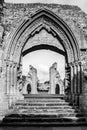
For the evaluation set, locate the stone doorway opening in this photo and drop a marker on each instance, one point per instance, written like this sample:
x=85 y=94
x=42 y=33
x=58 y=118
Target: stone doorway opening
x=43 y=69
x=28 y=88
x=54 y=32
x=45 y=30
x=57 y=89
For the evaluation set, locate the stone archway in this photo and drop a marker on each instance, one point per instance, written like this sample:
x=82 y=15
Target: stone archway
x=28 y=88
x=57 y=89
x=42 y=19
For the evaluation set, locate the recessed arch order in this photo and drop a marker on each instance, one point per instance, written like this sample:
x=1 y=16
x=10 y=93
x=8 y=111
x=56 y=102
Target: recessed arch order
x=16 y=41
x=42 y=19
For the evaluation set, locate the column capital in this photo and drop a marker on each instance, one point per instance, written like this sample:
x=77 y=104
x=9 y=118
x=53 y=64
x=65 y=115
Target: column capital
x=76 y=64
x=71 y=64
x=80 y=63
x=11 y=64
x=7 y=64
x=14 y=65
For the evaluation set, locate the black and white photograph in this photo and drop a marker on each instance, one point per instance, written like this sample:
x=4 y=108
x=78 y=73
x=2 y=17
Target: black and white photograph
x=43 y=64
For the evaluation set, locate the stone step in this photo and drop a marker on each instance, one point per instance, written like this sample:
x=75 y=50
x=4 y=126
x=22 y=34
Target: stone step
x=45 y=107
x=25 y=120
x=39 y=96
x=42 y=100
x=57 y=110
x=52 y=108
x=48 y=110
x=41 y=104
x=48 y=113
x=45 y=112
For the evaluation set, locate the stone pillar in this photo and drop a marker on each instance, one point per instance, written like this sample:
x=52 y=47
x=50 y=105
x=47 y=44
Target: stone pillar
x=73 y=93
x=75 y=78
x=81 y=77
x=14 y=83
x=10 y=83
x=5 y=77
x=77 y=84
x=3 y=92
x=52 y=85
x=12 y=77
x=81 y=87
x=71 y=80
x=78 y=79
x=33 y=73
x=17 y=82
x=53 y=72
x=8 y=79
x=15 y=79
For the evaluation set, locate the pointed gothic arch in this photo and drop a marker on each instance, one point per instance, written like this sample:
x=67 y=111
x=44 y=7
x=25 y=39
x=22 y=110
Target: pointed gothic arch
x=53 y=24
x=42 y=19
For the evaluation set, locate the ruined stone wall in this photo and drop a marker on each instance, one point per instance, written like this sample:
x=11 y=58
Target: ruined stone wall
x=31 y=79
x=59 y=81
x=28 y=80
x=14 y=14
x=52 y=74
x=44 y=38
x=33 y=73
x=55 y=79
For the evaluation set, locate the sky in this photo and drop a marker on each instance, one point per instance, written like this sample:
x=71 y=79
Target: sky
x=81 y=3
x=42 y=60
